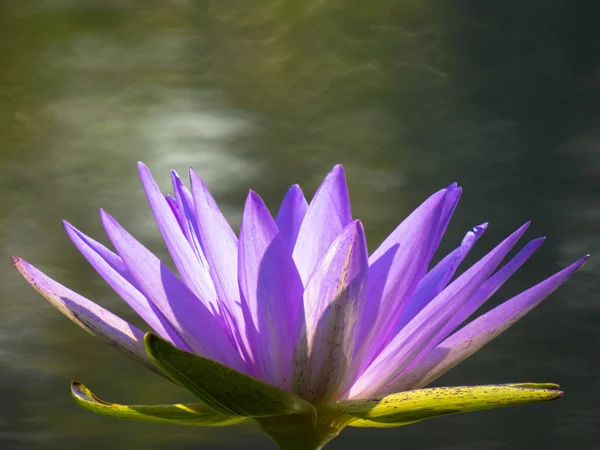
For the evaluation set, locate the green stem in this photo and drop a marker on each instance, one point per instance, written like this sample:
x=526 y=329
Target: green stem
x=297 y=433
x=302 y=439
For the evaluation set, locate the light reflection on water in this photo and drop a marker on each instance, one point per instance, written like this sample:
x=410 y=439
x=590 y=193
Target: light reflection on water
x=263 y=94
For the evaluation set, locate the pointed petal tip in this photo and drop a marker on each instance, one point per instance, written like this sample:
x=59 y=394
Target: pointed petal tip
x=480 y=229
x=295 y=189
x=22 y=266
x=108 y=221
x=473 y=235
x=356 y=229
x=535 y=243
x=253 y=200
x=175 y=180
x=454 y=189
x=24 y=269
x=581 y=261
x=520 y=231
x=532 y=246
x=196 y=179
x=452 y=193
x=142 y=167
x=15 y=260
x=104 y=216
x=337 y=171
x=576 y=265
x=70 y=229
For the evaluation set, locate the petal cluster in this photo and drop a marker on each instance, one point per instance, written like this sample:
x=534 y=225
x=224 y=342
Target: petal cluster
x=295 y=300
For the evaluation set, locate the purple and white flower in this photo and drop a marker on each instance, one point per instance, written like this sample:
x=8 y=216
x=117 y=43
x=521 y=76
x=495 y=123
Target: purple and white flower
x=295 y=300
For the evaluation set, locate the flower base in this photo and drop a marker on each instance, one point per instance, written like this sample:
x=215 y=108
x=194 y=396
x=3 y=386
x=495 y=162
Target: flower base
x=299 y=433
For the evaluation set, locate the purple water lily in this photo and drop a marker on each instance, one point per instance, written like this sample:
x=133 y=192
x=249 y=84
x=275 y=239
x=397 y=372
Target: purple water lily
x=296 y=301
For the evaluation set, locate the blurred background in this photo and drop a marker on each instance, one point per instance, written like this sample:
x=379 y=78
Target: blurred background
x=410 y=95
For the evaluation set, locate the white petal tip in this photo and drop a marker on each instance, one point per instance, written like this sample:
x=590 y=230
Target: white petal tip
x=480 y=228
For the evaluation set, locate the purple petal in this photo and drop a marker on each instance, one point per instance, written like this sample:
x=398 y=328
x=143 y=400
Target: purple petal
x=189 y=223
x=194 y=323
x=326 y=216
x=482 y=330
x=113 y=270
x=490 y=287
x=453 y=193
x=395 y=269
x=271 y=290
x=437 y=278
x=334 y=300
x=220 y=247
x=194 y=275
x=291 y=214
x=175 y=210
x=97 y=321
x=477 y=299
x=418 y=334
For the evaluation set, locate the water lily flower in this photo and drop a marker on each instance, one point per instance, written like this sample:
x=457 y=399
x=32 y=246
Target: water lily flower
x=292 y=323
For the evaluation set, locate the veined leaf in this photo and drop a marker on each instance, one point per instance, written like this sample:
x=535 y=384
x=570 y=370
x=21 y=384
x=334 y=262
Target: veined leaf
x=412 y=406
x=183 y=414
x=222 y=388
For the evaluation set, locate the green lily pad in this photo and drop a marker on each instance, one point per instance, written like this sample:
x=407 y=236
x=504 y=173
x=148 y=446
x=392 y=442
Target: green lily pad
x=222 y=388
x=413 y=406
x=183 y=414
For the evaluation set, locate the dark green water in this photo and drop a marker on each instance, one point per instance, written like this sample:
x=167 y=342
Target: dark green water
x=409 y=95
